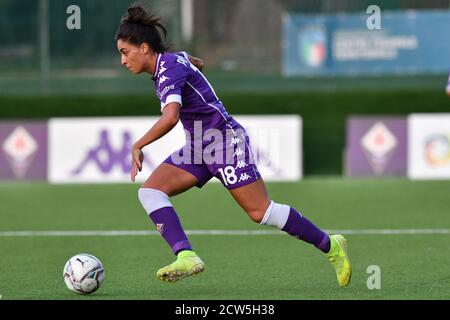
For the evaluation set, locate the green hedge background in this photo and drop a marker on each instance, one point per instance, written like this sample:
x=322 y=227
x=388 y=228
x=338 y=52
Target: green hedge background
x=324 y=113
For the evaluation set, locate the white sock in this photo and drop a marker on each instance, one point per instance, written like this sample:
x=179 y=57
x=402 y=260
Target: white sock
x=276 y=215
x=152 y=199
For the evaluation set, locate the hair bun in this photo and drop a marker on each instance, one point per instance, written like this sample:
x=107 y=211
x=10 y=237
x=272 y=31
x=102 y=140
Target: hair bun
x=143 y=22
x=136 y=15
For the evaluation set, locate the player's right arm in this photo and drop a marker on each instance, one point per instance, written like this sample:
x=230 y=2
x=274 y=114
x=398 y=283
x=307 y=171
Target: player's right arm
x=168 y=120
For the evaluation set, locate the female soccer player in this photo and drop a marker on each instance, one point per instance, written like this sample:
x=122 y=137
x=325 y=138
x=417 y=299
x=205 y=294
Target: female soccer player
x=186 y=95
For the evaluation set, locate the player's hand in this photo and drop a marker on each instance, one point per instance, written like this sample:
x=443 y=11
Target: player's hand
x=137 y=157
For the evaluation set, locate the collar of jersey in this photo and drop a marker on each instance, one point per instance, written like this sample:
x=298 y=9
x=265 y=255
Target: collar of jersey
x=157 y=66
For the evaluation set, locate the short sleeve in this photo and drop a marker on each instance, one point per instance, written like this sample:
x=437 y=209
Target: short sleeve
x=184 y=54
x=171 y=81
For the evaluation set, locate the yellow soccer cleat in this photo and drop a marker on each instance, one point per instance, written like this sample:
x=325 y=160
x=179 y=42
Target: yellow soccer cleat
x=187 y=264
x=338 y=257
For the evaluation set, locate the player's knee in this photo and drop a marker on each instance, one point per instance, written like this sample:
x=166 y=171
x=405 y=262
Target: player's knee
x=256 y=219
x=256 y=211
x=155 y=184
x=153 y=199
x=257 y=214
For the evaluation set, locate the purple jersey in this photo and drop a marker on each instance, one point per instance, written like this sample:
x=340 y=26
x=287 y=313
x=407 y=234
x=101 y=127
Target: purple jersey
x=228 y=157
x=177 y=80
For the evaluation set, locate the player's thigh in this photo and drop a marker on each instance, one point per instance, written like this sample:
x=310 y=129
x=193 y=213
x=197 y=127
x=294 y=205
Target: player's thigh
x=170 y=179
x=253 y=198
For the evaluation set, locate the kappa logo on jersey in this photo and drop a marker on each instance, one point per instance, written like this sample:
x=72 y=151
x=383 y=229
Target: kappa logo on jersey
x=238 y=152
x=235 y=141
x=162 y=69
x=163 y=79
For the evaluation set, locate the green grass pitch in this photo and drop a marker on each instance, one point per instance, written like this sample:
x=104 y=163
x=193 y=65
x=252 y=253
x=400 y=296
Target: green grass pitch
x=413 y=266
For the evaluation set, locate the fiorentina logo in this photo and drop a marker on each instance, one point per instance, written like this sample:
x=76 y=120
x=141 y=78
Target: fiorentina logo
x=20 y=149
x=379 y=145
x=160 y=227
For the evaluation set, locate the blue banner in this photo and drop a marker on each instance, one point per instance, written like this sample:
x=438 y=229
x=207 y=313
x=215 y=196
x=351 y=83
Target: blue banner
x=409 y=42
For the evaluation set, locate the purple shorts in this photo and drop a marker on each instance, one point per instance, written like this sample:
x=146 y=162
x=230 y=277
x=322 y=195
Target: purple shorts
x=224 y=154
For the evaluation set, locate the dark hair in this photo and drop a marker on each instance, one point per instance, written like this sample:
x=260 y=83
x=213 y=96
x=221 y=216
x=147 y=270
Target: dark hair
x=137 y=27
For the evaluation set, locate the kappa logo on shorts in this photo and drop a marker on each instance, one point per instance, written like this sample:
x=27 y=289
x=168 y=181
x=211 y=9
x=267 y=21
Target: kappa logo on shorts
x=241 y=164
x=160 y=227
x=244 y=177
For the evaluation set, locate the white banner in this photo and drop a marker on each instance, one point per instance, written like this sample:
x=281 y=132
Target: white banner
x=97 y=150
x=277 y=145
x=429 y=146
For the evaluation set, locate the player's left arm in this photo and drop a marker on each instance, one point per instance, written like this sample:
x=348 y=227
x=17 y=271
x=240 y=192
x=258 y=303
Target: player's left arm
x=196 y=62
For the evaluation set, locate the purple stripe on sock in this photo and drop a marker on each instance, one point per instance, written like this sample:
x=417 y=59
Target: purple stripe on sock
x=182 y=245
x=168 y=224
x=301 y=228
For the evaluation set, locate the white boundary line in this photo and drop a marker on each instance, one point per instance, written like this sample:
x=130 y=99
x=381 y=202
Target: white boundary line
x=112 y=233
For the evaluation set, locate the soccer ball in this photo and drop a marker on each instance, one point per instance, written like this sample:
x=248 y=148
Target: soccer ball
x=83 y=273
